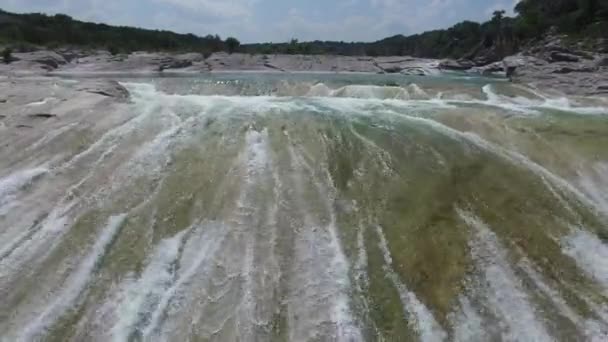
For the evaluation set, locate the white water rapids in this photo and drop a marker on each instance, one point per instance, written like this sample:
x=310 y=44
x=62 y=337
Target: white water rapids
x=343 y=208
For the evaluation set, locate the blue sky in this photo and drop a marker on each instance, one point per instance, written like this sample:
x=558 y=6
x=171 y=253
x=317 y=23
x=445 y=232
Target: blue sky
x=274 y=20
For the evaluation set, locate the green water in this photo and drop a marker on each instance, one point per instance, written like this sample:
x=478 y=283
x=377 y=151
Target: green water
x=313 y=208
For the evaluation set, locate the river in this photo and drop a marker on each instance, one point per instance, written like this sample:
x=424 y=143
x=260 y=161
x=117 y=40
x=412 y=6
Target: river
x=312 y=207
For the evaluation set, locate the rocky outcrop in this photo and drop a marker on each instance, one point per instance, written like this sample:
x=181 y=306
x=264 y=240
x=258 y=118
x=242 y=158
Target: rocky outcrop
x=68 y=61
x=174 y=63
x=461 y=64
x=553 y=63
x=492 y=69
x=36 y=61
x=106 y=88
x=557 y=56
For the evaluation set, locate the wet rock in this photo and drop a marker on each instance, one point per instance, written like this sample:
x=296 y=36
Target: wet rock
x=563 y=57
x=602 y=88
x=574 y=68
x=272 y=66
x=414 y=72
x=602 y=62
x=511 y=63
x=106 y=88
x=450 y=64
x=489 y=69
x=42 y=116
x=481 y=61
x=392 y=69
x=49 y=60
x=174 y=63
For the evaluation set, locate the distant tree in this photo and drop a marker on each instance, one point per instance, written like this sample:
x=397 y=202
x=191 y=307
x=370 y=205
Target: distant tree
x=7 y=55
x=113 y=50
x=232 y=44
x=371 y=51
x=293 y=47
x=497 y=16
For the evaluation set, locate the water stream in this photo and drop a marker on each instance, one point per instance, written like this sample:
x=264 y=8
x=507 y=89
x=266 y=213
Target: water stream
x=257 y=207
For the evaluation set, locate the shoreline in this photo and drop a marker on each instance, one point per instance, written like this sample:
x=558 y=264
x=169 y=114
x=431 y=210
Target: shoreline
x=586 y=75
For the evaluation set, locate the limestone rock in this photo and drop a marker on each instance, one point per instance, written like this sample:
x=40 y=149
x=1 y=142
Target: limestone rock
x=450 y=64
x=107 y=88
x=563 y=57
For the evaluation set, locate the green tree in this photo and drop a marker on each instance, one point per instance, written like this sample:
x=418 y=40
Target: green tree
x=232 y=44
x=7 y=55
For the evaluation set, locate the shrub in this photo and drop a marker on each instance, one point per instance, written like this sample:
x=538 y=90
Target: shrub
x=232 y=44
x=7 y=55
x=113 y=50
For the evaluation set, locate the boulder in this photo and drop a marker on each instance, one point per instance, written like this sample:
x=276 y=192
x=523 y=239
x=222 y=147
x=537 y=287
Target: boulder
x=563 y=57
x=450 y=64
x=107 y=88
x=481 y=61
x=50 y=59
x=414 y=71
x=602 y=62
x=490 y=69
x=392 y=69
x=174 y=63
x=603 y=88
x=570 y=68
x=511 y=63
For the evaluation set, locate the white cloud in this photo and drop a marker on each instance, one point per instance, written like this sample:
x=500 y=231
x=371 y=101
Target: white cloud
x=273 y=20
x=215 y=8
x=351 y=28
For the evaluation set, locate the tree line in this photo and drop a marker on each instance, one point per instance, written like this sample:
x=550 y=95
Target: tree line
x=26 y=31
x=493 y=39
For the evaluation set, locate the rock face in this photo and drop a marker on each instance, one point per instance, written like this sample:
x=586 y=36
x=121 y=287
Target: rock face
x=550 y=62
x=36 y=61
x=554 y=64
x=73 y=61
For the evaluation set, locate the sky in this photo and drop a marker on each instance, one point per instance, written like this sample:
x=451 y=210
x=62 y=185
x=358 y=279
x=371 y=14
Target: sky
x=274 y=20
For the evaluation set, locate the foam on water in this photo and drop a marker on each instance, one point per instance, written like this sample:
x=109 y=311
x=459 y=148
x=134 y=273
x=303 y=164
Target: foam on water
x=14 y=182
x=513 y=157
x=594 y=330
x=76 y=282
x=503 y=292
x=333 y=282
x=531 y=106
x=371 y=92
x=26 y=248
x=468 y=323
x=589 y=253
x=257 y=161
x=419 y=317
x=50 y=136
x=141 y=297
x=224 y=277
x=41 y=102
x=209 y=244
x=360 y=267
x=594 y=182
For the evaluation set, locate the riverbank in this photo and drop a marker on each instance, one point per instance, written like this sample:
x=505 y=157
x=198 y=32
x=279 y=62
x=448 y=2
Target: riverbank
x=550 y=64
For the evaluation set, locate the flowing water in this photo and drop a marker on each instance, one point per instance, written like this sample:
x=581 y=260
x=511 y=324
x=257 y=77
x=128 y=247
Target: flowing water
x=311 y=208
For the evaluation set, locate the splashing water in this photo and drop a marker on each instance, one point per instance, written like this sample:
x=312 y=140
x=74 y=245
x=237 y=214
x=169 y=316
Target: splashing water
x=309 y=208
